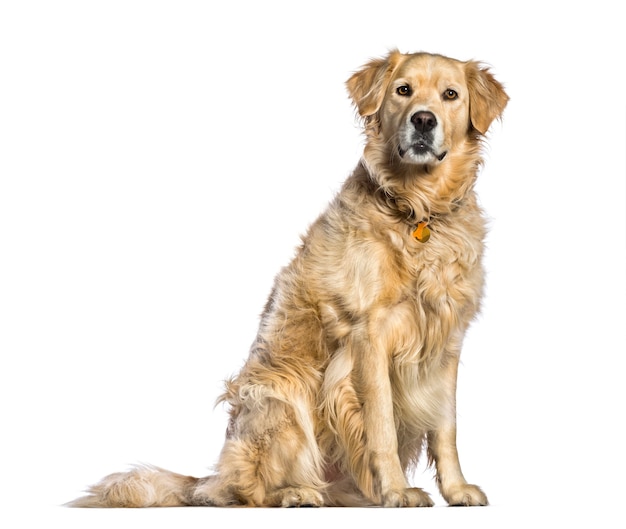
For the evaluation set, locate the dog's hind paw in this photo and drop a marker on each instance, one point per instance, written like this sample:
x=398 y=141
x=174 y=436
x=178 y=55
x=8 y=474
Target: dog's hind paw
x=295 y=497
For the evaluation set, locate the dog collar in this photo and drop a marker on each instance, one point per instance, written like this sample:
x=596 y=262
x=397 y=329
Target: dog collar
x=421 y=233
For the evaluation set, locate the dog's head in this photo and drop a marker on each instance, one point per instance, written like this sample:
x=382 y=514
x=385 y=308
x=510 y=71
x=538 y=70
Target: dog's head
x=422 y=106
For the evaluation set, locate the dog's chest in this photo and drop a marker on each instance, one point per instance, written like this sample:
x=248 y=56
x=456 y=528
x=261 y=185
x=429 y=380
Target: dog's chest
x=446 y=275
x=439 y=294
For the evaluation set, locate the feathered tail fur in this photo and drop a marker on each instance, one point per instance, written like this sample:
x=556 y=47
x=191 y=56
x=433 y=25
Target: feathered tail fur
x=143 y=486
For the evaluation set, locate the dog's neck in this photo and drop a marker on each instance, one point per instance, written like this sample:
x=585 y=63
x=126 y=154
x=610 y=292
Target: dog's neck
x=420 y=193
x=403 y=202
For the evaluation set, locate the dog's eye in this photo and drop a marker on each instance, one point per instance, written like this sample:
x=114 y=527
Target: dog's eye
x=450 y=94
x=403 y=90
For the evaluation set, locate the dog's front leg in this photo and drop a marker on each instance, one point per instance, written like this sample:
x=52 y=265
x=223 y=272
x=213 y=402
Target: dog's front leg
x=379 y=474
x=442 y=449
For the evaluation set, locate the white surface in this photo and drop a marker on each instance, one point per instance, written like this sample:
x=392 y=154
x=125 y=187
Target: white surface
x=158 y=162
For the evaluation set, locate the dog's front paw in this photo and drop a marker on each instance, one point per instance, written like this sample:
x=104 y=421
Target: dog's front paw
x=412 y=497
x=465 y=495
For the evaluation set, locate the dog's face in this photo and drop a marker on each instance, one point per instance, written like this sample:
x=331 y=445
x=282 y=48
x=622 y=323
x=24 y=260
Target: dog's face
x=425 y=110
x=422 y=106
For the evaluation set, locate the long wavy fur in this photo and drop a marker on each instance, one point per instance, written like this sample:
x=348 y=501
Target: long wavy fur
x=353 y=371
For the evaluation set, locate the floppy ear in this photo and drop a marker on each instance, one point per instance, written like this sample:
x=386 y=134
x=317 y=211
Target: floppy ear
x=367 y=86
x=487 y=96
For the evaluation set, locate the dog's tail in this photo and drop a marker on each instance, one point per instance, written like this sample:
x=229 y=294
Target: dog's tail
x=142 y=486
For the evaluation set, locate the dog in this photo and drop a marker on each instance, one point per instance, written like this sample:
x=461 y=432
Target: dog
x=353 y=372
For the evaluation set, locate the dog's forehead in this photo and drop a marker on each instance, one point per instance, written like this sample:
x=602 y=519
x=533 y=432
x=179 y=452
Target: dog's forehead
x=431 y=68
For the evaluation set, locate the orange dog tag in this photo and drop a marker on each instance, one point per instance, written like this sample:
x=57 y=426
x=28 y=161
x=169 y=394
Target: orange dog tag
x=422 y=233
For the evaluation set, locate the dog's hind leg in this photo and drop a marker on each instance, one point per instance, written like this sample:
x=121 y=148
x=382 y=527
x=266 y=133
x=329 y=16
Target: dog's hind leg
x=270 y=458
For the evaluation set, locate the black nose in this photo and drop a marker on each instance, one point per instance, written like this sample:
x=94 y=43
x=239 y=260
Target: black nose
x=424 y=120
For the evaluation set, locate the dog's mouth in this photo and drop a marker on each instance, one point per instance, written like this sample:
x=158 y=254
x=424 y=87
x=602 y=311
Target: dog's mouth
x=421 y=152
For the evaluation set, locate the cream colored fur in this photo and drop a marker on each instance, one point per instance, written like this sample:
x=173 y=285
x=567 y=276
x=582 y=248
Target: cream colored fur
x=354 y=368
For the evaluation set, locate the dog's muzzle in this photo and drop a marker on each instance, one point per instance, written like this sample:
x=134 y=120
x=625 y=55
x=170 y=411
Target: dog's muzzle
x=421 y=138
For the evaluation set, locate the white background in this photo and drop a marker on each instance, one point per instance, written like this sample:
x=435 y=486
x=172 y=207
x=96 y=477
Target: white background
x=158 y=162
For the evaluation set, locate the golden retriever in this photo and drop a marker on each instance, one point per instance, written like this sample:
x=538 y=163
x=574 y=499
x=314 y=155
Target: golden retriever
x=353 y=371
